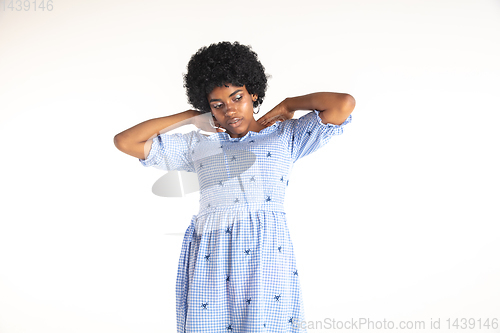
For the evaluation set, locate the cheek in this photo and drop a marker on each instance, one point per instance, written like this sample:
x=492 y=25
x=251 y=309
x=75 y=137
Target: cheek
x=216 y=114
x=248 y=104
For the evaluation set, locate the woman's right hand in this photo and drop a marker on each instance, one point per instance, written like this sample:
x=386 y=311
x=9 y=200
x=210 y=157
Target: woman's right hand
x=202 y=121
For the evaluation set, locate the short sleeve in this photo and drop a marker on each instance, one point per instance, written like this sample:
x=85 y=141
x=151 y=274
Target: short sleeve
x=308 y=133
x=171 y=152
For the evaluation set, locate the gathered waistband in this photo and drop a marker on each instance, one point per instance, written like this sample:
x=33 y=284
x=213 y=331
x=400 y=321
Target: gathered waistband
x=252 y=206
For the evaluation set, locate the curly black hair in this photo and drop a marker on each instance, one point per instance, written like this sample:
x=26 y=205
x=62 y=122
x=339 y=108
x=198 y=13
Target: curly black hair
x=220 y=64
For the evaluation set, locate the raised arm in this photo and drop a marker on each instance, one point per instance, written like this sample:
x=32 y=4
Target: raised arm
x=334 y=108
x=136 y=141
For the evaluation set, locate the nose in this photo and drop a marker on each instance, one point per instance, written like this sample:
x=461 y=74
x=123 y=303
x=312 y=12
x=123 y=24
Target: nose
x=229 y=109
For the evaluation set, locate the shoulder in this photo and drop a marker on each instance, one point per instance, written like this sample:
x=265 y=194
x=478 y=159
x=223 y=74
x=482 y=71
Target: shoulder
x=290 y=125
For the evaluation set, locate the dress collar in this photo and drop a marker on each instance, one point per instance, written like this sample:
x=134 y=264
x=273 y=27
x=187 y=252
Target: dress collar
x=223 y=136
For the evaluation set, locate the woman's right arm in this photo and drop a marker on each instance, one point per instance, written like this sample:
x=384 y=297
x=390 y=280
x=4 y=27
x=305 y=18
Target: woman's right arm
x=136 y=141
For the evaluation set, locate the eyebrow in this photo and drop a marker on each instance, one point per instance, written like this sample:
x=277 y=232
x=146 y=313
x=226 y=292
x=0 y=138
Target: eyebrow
x=214 y=100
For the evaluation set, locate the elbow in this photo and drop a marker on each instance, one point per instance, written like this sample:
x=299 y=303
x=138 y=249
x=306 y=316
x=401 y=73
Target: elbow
x=345 y=109
x=118 y=141
x=349 y=104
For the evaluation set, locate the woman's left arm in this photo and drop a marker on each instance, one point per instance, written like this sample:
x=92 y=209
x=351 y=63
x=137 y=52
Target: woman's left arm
x=334 y=108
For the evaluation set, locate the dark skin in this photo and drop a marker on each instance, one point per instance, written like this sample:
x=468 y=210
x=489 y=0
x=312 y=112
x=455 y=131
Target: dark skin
x=231 y=102
x=228 y=102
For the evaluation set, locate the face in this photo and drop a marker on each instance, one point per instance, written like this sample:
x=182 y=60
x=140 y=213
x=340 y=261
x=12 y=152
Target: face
x=231 y=103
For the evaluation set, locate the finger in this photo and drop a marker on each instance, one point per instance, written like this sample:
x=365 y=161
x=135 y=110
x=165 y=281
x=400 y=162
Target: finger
x=269 y=121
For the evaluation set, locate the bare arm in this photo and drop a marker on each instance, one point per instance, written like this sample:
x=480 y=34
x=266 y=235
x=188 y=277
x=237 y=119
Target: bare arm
x=334 y=107
x=136 y=141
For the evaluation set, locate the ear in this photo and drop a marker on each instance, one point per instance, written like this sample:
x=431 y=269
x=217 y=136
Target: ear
x=254 y=97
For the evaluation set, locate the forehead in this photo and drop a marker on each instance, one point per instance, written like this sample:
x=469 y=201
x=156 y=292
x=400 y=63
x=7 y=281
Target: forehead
x=224 y=91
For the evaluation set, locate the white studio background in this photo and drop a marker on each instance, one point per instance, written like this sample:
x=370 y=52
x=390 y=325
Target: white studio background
x=395 y=219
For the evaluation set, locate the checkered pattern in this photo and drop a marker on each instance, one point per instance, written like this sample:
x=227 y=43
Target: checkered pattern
x=237 y=271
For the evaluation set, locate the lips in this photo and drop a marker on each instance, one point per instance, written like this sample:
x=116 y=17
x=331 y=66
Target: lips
x=234 y=122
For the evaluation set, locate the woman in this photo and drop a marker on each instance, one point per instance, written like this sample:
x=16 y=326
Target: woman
x=237 y=270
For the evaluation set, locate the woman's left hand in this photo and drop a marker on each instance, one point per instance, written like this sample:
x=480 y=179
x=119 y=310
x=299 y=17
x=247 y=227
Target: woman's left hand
x=280 y=112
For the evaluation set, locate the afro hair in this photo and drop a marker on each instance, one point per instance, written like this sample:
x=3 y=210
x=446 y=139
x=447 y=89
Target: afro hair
x=223 y=63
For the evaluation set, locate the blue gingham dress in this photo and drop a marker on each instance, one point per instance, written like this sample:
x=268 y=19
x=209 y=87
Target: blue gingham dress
x=237 y=270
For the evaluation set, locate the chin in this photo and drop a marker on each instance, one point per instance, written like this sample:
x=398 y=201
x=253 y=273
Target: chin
x=240 y=130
